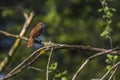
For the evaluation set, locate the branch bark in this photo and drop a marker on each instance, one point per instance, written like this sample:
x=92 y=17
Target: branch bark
x=35 y=55
x=89 y=59
x=17 y=42
x=48 y=64
x=82 y=47
x=113 y=67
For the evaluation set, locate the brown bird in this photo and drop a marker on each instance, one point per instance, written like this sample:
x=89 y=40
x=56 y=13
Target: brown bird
x=35 y=32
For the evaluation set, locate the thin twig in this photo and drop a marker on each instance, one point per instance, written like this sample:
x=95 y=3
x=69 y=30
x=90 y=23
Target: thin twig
x=82 y=47
x=117 y=64
x=35 y=68
x=112 y=75
x=28 y=61
x=48 y=64
x=81 y=67
x=13 y=35
x=90 y=58
x=34 y=56
x=17 y=42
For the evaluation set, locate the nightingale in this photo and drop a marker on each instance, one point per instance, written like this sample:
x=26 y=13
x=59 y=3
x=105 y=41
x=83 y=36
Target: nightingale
x=35 y=32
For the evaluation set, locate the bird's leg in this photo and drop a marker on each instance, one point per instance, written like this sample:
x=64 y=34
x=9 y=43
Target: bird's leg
x=48 y=44
x=37 y=41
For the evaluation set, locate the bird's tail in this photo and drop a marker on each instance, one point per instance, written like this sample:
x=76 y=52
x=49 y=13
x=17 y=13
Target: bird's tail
x=30 y=42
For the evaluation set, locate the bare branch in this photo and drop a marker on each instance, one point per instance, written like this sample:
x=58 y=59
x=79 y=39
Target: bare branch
x=26 y=15
x=81 y=67
x=34 y=56
x=35 y=68
x=28 y=61
x=116 y=65
x=112 y=75
x=13 y=35
x=90 y=58
x=48 y=64
x=17 y=42
x=82 y=47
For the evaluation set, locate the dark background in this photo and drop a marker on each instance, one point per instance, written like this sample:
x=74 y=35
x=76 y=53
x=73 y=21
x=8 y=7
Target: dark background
x=67 y=21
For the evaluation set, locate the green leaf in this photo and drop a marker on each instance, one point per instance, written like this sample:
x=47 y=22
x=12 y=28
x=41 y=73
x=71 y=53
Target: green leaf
x=110 y=56
x=107 y=61
x=108 y=67
x=61 y=74
x=115 y=57
x=113 y=9
x=109 y=21
x=53 y=66
x=64 y=78
x=100 y=10
x=106 y=8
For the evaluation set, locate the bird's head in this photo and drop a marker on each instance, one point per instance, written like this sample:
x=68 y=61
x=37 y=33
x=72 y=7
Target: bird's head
x=42 y=25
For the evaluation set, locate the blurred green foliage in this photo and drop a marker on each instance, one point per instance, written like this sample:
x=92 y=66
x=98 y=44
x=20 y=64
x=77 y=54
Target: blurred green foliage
x=70 y=22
